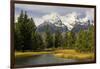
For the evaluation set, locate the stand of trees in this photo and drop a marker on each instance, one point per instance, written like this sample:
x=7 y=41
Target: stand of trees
x=58 y=39
x=49 y=43
x=27 y=39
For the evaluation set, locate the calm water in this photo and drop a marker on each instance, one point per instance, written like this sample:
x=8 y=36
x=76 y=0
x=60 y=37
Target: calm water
x=42 y=59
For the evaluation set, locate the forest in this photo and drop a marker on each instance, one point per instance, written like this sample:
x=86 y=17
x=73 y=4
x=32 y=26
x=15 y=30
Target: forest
x=27 y=39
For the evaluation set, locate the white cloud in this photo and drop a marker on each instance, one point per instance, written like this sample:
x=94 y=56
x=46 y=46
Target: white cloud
x=52 y=17
x=70 y=19
x=67 y=14
x=38 y=21
x=90 y=14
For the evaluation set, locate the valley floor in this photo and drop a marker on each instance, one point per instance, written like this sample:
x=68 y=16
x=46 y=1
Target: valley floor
x=66 y=53
x=73 y=54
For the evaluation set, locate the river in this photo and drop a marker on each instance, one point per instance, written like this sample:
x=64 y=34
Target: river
x=41 y=59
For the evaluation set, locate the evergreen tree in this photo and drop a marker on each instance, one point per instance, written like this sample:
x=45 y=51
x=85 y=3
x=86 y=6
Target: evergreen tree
x=72 y=39
x=58 y=38
x=26 y=29
x=18 y=39
x=78 y=42
x=26 y=37
x=85 y=40
x=37 y=43
x=69 y=40
x=82 y=41
x=49 y=38
x=91 y=39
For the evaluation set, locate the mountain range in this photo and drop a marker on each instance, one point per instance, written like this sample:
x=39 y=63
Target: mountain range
x=70 y=22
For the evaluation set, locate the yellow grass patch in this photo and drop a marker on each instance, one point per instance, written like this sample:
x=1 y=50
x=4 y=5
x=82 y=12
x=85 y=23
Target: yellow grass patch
x=66 y=53
x=73 y=54
x=25 y=54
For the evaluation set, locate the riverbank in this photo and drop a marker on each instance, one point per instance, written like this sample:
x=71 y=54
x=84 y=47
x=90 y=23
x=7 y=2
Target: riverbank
x=27 y=54
x=66 y=53
x=73 y=54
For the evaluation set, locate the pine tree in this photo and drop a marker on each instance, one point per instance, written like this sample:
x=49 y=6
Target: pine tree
x=82 y=41
x=25 y=33
x=78 y=43
x=18 y=43
x=91 y=38
x=25 y=29
x=37 y=43
x=58 y=38
x=70 y=40
x=49 y=38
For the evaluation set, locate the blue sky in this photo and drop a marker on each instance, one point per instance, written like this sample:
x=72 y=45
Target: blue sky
x=40 y=10
x=37 y=11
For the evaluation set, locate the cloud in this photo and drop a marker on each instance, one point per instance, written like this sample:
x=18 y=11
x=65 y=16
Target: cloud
x=90 y=14
x=69 y=15
x=38 y=21
x=40 y=10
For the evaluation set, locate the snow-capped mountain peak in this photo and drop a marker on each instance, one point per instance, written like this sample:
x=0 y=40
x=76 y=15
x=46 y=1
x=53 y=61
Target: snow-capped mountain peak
x=69 y=20
x=54 y=18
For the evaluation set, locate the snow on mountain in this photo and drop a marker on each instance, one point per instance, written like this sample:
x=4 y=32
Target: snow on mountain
x=54 y=18
x=38 y=21
x=53 y=22
x=69 y=20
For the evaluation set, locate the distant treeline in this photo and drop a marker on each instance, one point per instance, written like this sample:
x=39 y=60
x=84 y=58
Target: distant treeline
x=27 y=39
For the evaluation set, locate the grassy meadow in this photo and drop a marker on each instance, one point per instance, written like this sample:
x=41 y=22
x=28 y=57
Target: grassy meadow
x=66 y=53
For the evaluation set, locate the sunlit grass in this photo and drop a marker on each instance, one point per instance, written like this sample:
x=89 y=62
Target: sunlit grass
x=73 y=54
x=66 y=53
x=25 y=54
